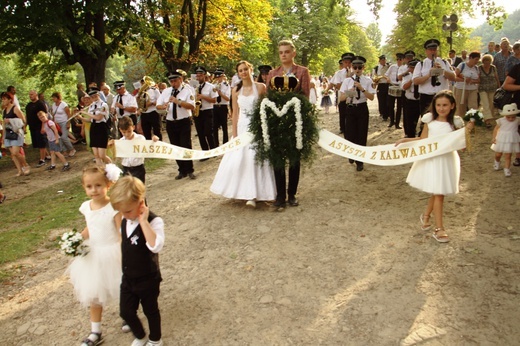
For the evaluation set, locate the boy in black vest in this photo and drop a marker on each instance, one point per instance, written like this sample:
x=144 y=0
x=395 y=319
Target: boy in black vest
x=142 y=237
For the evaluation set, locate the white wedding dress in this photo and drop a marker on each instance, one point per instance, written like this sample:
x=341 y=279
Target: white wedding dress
x=239 y=176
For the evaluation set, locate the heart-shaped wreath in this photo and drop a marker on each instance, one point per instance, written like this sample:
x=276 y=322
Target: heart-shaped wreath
x=284 y=126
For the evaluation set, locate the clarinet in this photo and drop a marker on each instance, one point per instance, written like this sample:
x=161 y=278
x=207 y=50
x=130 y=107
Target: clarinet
x=357 y=89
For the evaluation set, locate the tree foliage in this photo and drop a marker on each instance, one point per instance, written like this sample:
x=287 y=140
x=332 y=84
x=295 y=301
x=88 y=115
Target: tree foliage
x=87 y=32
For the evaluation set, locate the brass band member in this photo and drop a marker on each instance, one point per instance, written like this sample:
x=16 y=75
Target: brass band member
x=204 y=121
x=124 y=103
x=336 y=81
x=147 y=101
x=381 y=83
x=411 y=106
x=220 y=109
x=356 y=125
x=264 y=72
x=393 y=76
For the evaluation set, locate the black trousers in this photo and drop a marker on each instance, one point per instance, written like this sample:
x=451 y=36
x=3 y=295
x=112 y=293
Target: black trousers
x=382 y=99
x=294 y=178
x=204 y=127
x=356 y=125
x=179 y=134
x=144 y=292
x=393 y=114
x=412 y=111
x=151 y=121
x=136 y=171
x=425 y=102
x=220 y=117
x=342 y=107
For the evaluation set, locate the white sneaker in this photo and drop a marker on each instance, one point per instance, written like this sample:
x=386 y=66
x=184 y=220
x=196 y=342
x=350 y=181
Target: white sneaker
x=251 y=203
x=496 y=166
x=507 y=172
x=139 y=342
x=154 y=343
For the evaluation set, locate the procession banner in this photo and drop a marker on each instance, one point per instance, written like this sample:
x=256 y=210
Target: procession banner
x=381 y=155
x=162 y=150
x=391 y=155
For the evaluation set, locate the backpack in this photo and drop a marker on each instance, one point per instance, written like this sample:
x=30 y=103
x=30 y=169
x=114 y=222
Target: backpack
x=58 y=128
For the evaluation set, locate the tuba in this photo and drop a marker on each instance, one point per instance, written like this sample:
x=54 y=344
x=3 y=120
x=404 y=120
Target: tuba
x=142 y=96
x=198 y=103
x=380 y=74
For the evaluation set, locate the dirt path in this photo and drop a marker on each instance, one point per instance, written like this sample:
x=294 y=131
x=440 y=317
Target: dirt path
x=349 y=266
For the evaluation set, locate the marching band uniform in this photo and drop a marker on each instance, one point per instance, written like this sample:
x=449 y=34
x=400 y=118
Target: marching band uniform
x=411 y=106
x=220 y=109
x=409 y=55
x=356 y=121
x=382 y=86
x=98 y=128
x=430 y=85
x=178 y=125
x=151 y=120
x=127 y=100
x=337 y=80
x=393 y=76
x=204 y=122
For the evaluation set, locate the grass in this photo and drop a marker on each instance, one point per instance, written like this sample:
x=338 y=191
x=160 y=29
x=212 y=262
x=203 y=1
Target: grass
x=26 y=224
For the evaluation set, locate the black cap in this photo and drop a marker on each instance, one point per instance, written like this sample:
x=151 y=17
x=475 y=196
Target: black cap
x=264 y=69
x=218 y=72
x=413 y=62
x=200 y=69
x=348 y=56
x=409 y=53
x=382 y=57
x=399 y=55
x=93 y=91
x=119 y=84
x=359 y=60
x=432 y=43
x=174 y=75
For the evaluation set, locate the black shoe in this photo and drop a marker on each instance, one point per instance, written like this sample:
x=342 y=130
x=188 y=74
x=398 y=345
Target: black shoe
x=191 y=176
x=50 y=168
x=279 y=204
x=66 y=167
x=398 y=127
x=41 y=163
x=391 y=124
x=359 y=167
x=350 y=161
x=180 y=176
x=517 y=162
x=202 y=160
x=293 y=202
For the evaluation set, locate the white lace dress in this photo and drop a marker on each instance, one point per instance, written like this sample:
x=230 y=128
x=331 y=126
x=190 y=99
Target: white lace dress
x=97 y=276
x=438 y=175
x=239 y=176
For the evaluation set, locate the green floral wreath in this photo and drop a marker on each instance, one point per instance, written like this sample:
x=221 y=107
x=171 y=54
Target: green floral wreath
x=278 y=144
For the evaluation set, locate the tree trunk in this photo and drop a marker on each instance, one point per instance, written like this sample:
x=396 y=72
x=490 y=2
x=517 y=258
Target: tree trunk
x=93 y=68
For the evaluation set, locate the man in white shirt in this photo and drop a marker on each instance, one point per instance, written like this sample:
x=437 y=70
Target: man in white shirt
x=378 y=76
x=336 y=81
x=204 y=121
x=220 y=109
x=124 y=103
x=150 y=119
x=394 y=92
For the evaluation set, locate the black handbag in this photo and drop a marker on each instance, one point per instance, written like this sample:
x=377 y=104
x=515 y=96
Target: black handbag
x=10 y=134
x=502 y=97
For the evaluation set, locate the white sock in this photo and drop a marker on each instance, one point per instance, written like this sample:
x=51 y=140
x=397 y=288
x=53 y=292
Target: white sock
x=96 y=327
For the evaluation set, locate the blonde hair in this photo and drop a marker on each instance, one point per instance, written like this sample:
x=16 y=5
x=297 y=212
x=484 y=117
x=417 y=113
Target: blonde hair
x=93 y=169
x=127 y=189
x=286 y=43
x=487 y=57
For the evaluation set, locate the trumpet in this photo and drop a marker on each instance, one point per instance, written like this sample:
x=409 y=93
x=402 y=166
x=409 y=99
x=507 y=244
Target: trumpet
x=217 y=87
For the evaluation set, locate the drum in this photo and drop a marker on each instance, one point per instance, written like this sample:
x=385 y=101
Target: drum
x=394 y=91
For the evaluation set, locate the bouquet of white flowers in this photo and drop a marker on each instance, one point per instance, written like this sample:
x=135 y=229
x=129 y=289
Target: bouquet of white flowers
x=474 y=116
x=71 y=244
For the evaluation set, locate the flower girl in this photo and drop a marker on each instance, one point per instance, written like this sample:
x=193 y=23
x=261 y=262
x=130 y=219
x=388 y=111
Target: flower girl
x=506 y=138
x=97 y=275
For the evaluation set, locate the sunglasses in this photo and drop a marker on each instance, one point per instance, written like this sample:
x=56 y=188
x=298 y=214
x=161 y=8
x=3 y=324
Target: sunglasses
x=357 y=67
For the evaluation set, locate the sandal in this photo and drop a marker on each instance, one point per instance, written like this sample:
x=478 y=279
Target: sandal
x=425 y=225
x=442 y=237
x=89 y=342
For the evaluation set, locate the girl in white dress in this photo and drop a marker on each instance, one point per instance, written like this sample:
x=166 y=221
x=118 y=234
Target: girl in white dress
x=97 y=276
x=506 y=138
x=438 y=175
x=239 y=176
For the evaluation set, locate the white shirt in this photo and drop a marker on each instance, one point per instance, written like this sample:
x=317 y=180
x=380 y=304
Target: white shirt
x=366 y=83
x=409 y=93
x=58 y=112
x=207 y=90
x=184 y=95
x=235 y=80
x=225 y=89
x=99 y=107
x=467 y=72
x=157 y=225
x=378 y=71
x=133 y=161
x=339 y=76
x=153 y=96
x=423 y=69
x=392 y=74
x=127 y=101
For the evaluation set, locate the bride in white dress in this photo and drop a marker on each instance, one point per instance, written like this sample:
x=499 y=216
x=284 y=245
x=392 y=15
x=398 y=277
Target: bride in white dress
x=239 y=176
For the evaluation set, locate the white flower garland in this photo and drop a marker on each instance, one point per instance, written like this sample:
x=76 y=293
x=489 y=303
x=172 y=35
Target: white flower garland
x=294 y=102
x=112 y=172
